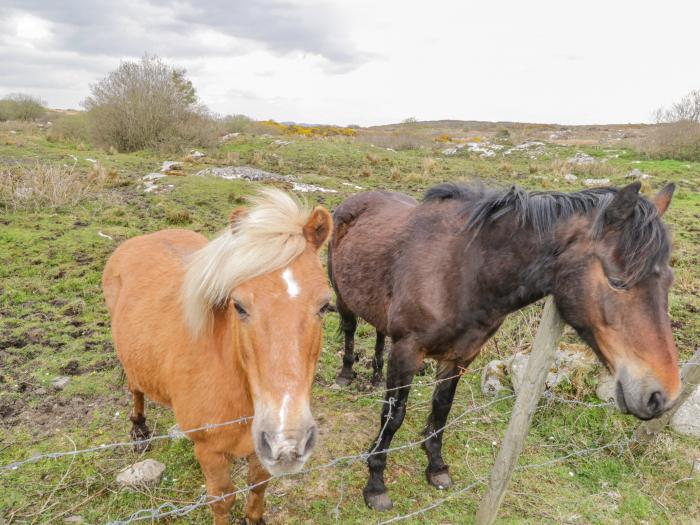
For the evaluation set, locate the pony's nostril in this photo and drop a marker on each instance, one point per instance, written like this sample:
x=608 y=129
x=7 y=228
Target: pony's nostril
x=656 y=403
x=310 y=441
x=265 y=446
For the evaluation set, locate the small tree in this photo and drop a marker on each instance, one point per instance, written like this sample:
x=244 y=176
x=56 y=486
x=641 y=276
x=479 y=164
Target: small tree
x=686 y=109
x=142 y=104
x=19 y=106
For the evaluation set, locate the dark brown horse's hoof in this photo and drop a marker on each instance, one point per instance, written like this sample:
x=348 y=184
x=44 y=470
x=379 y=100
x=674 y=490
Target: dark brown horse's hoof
x=141 y=432
x=379 y=501
x=439 y=480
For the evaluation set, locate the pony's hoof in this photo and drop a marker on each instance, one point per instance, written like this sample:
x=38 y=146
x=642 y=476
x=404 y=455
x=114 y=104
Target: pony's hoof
x=248 y=521
x=439 y=480
x=342 y=380
x=379 y=501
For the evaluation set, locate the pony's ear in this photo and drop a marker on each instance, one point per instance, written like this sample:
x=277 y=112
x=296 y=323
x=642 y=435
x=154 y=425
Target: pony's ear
x=318 y=227
x=622 y=205
x=236 y=215
x=662 y=200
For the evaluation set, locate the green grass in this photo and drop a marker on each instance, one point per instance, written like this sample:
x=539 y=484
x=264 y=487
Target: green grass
x=53 y=319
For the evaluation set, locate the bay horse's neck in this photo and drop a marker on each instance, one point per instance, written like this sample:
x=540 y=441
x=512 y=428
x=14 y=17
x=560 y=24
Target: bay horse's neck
x=518 y=264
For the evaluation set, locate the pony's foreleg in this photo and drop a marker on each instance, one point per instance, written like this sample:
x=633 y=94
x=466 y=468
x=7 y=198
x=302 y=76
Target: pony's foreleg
x=216 y=469
x=348 y=323
x=139 y=429
x=404 y=360
x=437 y=472
x=257 y=478
x=378 y=361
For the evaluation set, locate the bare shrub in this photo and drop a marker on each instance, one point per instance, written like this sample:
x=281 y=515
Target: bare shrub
x=686 y=109
x=147 y=104
x=677 y=140
x=47 y=185
x=19 y=106
x=70 y=128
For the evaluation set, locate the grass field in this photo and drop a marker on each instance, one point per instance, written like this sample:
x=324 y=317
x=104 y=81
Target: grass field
x=53 y=322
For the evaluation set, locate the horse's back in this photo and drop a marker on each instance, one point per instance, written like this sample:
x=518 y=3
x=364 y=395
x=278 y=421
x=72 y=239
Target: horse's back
x=366 y=230
x=142 y=282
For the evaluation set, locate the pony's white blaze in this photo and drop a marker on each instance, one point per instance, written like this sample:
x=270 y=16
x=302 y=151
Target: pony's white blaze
x=292 y=284
x=283 y=411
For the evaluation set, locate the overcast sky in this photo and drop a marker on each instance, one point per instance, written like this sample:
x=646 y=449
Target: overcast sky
x=370 y=61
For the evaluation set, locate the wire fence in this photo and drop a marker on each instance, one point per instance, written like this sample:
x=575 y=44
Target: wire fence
x=171 y=509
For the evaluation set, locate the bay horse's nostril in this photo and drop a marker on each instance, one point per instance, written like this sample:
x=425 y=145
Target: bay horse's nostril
x=656 y=403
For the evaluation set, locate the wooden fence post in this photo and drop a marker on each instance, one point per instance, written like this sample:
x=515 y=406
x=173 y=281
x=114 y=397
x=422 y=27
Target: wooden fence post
x=691 y=379
x=541 y=358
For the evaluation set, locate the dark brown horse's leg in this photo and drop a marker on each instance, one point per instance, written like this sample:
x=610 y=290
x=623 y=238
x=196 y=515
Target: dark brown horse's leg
x=403 y=363
x=217 y=473
x=348 y=323
x=139 y=429
x=378 y=361
x=438 y=472
x=257 y=478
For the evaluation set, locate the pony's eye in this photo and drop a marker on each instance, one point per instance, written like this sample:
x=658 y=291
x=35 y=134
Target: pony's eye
x=617 y=283
x=324 y=309
x=241 y=311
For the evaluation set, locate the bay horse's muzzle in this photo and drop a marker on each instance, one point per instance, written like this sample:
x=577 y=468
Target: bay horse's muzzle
x=644 y=398
x=287 y=451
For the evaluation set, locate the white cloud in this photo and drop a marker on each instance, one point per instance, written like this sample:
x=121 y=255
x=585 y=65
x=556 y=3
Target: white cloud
x=369 y=62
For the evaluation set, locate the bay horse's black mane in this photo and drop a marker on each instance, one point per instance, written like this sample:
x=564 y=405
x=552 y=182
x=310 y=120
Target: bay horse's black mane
x=643 y=241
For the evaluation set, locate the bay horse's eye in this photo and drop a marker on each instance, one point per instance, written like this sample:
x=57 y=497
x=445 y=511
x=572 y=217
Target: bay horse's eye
x=616 y=283
x=241 y=311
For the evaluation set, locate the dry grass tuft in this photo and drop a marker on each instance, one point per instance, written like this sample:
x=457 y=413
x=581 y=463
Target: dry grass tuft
x=395 y=174
x=47 y=185
x=429 y=166
x=373 y=159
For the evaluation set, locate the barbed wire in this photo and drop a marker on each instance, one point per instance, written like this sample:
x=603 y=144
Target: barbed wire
x=107 y=446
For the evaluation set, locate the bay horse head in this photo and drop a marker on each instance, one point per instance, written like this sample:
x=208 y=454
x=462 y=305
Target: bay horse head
x=612 y=286
x=265 y=274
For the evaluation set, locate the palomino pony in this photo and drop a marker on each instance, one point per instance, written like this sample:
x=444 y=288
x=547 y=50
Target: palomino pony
x=226 y=329
x=439 y=278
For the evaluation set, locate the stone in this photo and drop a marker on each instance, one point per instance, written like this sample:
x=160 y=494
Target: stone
x=493 y=378
x=686 y=420
x=196 y=154
x=570 y=177
x=596 y=182
x=582 y=158
x=153 y=176
x=605 y=389
x=144 y=473
x=60 y=382
x=306 y=188
x=568 y=360
x=636 y=173
x=229 y=136
x=170 y=165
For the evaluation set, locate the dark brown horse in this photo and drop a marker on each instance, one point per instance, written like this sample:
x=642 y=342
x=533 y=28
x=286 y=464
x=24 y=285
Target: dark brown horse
x=439 y=278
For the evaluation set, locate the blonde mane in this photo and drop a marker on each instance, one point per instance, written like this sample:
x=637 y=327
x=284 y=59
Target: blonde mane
x=268 y=237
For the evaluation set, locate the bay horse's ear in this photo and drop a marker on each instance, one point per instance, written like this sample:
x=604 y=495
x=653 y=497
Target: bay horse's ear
x=663 y=198
x=236 y=215
x=318 y=227
x=622 y=205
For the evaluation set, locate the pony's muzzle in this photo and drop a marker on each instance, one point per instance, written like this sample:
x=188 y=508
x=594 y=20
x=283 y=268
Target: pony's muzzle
x=644 y=399
x=286 y=452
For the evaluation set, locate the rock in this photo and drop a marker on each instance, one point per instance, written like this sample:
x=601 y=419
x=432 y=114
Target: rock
x=242 y=172
x=305 y=188
x=60 y=382
x=153 y=176
x=229 y=136
x=582 y=158
x=144 y=473
x=450 y=151
x=570 y=177
x=569 y=360
x=493 y=378
x=686 y=420
x=596 y=182
x=40 y=392
x=170 y=165
x=605 y=389
x=636 y=173
x=196 y=154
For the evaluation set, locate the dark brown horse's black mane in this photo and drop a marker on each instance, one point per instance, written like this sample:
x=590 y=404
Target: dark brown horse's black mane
x=643 y=243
